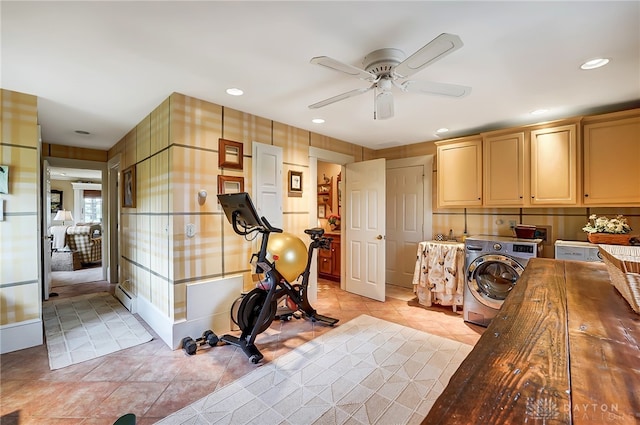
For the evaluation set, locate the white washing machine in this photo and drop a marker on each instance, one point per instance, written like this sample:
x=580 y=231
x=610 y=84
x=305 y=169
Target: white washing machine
x=577 y=251
x=493 y=264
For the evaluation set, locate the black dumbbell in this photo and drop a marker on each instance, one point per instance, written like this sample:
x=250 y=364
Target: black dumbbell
x=210 y=338
x=190 y=346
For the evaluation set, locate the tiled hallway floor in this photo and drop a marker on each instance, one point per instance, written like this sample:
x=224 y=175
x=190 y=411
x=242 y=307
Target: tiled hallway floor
x=152 y=381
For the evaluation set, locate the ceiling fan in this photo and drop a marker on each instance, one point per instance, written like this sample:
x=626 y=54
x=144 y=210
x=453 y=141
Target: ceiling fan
x=386 y=68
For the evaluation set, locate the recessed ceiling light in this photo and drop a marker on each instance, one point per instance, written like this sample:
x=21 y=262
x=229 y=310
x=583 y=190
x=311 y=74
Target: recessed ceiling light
x=539 y=111
x=442 y=130
x=83 y=132
x=235 y=92
x=317 y=121
x=594 y=63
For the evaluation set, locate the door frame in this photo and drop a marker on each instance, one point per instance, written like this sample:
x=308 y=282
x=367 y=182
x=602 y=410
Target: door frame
x=113 y=209
x=315 y=155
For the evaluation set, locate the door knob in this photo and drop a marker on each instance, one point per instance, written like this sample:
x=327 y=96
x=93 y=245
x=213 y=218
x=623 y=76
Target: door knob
x=379 y=237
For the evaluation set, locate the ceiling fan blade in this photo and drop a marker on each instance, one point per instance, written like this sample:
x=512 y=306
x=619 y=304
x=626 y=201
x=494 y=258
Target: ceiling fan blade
x=339 y=97
x=336 y=65
x=383 y=106
x=435 y=50
x=441 y=89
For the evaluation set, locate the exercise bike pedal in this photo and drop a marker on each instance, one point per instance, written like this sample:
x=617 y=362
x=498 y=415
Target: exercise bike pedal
x=324 y=319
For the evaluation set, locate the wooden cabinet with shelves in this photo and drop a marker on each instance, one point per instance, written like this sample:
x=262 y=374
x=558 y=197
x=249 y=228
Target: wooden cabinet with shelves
x=611 y=154
x=554 y=165
x=505 y=171
x=325 y=194
x=329 y=260
x=460 y=172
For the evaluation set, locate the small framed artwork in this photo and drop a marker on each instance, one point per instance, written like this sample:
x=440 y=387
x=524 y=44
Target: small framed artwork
x=230 y=154
x=129 y=187
x=321 y=211
x=230 y=184
x=56 y=200
x=295 y=183
x=4 y=179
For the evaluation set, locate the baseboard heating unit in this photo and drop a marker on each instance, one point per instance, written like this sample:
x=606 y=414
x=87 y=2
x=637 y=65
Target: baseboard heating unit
x=127 y=299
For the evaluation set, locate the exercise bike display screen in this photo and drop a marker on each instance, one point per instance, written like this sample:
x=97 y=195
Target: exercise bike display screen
x=241 y=204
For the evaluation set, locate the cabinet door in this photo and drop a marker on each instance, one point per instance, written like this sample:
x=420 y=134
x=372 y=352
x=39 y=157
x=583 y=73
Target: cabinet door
x=611 y=162
x=335 y=258
x=554 y=166
x=325 y=262
x=503 y=168
x=460 y=173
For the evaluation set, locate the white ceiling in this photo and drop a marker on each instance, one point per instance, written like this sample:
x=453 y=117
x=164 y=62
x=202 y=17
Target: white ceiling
x=103 y=66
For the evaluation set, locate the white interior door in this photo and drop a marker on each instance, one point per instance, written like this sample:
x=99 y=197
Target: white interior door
x=404 y=224
x=365 y=228
x=46 y=231
x=267 y=182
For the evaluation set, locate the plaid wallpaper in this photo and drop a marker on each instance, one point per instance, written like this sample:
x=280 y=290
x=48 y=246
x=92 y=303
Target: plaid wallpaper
x=20 y=292
x=176 y=151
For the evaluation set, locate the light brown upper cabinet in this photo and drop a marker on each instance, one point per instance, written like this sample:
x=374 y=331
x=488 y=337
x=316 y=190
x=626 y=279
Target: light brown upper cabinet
x=505 y=177
x=460 y=172
x=612 y=159
x=554 y=165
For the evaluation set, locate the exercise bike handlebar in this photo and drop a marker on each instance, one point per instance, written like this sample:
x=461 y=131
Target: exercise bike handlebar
x=268 y=227
x=265 y=227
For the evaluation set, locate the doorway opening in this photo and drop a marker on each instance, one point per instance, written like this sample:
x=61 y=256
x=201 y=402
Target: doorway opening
x=76 y=225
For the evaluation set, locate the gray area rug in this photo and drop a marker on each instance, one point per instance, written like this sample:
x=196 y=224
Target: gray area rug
x=93 y=274
x=366 y=371
x=88 y=326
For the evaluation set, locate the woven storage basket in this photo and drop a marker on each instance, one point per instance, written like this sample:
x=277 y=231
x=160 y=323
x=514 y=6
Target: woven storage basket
x=610 y=238
x=623 y=263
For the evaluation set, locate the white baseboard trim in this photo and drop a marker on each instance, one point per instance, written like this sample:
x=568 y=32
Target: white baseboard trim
x=159 y=322
x=18 y=336
x=208 y=307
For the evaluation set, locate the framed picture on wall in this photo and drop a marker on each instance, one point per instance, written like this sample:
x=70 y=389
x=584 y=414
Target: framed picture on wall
x=295 y=183
x=322 y=212
x=230 y=184
x=129 y=187
x=4 y=179
x=230 y=154
x=56 y=200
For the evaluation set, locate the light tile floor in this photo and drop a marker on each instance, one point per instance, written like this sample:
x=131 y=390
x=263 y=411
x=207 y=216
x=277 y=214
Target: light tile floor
x=152 y=381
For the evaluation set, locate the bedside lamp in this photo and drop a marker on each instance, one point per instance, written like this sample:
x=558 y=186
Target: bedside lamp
x=63 y=215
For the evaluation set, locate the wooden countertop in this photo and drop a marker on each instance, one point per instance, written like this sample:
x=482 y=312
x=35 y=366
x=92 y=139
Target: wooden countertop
x=564 y=349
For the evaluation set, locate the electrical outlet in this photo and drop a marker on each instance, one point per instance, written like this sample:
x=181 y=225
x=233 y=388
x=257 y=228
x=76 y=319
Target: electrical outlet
x=190 y=230
x=512 y=224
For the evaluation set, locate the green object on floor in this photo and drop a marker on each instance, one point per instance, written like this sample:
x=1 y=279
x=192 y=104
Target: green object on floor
x=128 y=419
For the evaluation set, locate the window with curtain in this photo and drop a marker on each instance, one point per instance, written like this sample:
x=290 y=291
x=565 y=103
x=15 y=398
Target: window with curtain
x=92 y=205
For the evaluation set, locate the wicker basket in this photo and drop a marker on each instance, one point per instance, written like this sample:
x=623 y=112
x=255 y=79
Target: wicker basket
x=623 y=263
x=610 y=238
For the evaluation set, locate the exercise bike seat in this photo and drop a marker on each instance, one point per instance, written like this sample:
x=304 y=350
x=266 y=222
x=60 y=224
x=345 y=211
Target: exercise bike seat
x=315 y=233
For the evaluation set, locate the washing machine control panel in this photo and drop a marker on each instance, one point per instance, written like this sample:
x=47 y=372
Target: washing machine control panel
x=529 y=249
x=513 y=247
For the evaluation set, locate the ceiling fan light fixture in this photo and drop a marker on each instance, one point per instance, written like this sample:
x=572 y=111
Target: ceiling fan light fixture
x=594 y=63
x=234 y=91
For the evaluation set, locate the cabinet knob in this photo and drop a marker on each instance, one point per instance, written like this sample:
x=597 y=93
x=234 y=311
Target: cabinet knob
x=521 y=197
x=533 y=197
x=586 y=195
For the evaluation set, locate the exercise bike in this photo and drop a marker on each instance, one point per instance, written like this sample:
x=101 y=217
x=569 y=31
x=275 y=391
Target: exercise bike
x=282 y=259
